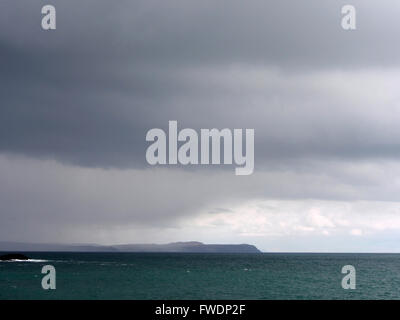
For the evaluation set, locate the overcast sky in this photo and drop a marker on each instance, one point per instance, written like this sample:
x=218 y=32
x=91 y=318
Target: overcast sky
x=77 y=102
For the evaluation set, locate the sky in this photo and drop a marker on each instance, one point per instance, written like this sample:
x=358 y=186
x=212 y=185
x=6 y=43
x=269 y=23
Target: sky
x=77 y=102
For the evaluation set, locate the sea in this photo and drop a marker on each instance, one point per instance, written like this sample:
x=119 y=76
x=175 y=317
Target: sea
x=176 y=276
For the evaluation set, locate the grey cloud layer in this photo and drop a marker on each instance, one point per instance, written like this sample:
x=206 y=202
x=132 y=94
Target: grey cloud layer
x=47 y=201
x=324 y=104
x=87 y=93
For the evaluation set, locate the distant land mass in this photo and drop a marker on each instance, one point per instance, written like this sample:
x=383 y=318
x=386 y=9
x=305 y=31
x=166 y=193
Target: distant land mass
x=183 y=247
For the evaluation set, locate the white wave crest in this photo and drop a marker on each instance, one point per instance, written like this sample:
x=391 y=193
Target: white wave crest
x=29 y=260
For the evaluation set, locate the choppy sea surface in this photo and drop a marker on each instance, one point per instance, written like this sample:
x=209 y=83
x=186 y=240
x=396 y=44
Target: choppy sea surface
x=201 y=276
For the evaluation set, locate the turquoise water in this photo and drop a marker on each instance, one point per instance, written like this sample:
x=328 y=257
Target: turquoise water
x=202 y=276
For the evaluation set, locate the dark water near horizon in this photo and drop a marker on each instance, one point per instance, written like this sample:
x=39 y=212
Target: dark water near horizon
x=202 y=276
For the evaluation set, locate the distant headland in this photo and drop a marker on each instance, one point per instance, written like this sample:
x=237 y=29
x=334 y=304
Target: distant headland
x=178 y=247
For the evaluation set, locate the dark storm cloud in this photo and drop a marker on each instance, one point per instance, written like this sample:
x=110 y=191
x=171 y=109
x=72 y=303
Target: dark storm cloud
x=323 y=102
x=88 y=92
